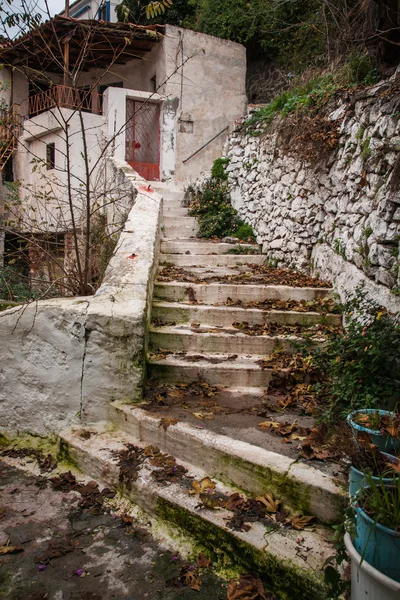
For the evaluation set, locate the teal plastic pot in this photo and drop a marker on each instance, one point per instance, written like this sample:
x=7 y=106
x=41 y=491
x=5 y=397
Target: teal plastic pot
x=378 y=545
x=358 y=480
x=384 y=441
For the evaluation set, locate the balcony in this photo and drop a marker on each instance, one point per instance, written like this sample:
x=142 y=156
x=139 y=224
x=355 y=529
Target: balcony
x=62 y=96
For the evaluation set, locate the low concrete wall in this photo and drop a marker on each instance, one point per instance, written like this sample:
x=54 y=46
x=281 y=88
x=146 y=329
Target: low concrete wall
x=64 y=360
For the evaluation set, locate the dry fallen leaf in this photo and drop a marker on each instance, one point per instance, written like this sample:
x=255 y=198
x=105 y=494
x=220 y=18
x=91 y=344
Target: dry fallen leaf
x=271 y=505
x=202 y=561
x=192 y=580
x=202 y=486
x=166 y=422
x=269 y=425
x=299 y=522
x=201 y=416
x=10 y=550
x=249 y=587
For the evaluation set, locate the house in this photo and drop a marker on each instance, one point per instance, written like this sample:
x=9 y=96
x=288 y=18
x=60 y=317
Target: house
x=159 y=97
x=104 y=10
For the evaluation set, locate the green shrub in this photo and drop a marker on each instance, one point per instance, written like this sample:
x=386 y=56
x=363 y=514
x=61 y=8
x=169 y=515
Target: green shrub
x=14 y=286
x=218 y=169
x=245 y=232
x=216 y=216
x=361 y=367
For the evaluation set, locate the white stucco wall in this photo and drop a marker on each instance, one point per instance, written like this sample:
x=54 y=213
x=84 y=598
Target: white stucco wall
x=201 y=81
x=64 y=360
x=46 y=128
x=211 y=91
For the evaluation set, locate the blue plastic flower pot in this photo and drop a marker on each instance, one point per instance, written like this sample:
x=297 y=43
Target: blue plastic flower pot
x=357 y=479
x=378 y=545
x=384 y=441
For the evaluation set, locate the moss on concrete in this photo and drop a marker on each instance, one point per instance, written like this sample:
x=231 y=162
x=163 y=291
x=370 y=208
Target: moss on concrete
x=64 y=455
x=282 y=577
x=46 y=445
x=293 y=493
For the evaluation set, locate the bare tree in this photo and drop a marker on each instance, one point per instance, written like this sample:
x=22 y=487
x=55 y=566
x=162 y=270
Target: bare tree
x=82 y=204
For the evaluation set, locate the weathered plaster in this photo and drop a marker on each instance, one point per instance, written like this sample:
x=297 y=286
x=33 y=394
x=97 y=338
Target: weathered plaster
x=65 y=360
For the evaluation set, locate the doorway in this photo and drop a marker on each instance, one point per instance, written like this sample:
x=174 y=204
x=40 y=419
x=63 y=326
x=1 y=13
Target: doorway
x=142 y=145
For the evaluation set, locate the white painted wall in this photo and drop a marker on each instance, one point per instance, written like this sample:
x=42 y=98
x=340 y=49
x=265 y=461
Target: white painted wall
x=88 y=9
x=63 y=361
x=49 y=127
x=211 y=90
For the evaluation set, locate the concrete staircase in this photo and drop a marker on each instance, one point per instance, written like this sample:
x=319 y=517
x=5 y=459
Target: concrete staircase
x=192 y=338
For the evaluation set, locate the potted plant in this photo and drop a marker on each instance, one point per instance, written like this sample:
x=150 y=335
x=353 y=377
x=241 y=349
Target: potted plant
x=368 y=460
x=382 y=426
x=367 y=582
x=377 y=537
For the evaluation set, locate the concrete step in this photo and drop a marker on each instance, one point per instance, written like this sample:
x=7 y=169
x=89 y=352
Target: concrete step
x=182 y=221
x=273 y=553
x=238 y=463
x=215 y=369
x=218 y=293
x=207 y=260
x=177 y=213
x=168 y=312
x=181 y=338
x=197 y=247
x=178 y=231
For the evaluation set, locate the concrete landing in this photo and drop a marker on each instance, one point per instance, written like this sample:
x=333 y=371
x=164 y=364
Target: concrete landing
x=275 y=551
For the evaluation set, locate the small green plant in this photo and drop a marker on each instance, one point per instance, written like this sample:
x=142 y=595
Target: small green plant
x=366 y=151
x=212 y=206
x=382 y=502
x=360 y=368
x=239 y=249
x=216 y=216
x=218 y=169
x=339 y=248
x=16 y=287
x=360 y=133
x=272 y=263
x=367 y=232
x=245 y=233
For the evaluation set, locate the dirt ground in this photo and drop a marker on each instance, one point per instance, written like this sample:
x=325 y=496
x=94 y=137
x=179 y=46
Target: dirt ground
x=65 y=552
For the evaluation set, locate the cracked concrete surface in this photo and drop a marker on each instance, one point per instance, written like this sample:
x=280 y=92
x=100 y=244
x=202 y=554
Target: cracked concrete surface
x=118 y=562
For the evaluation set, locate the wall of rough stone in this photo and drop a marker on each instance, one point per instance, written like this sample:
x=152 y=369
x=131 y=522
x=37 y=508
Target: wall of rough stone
x=341 y=217
x=63 y=361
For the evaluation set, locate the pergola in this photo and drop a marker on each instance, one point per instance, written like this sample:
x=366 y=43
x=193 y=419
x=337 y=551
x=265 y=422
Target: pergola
x=91 y=44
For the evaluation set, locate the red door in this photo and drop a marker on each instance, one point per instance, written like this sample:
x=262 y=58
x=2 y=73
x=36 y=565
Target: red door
x=142 y=145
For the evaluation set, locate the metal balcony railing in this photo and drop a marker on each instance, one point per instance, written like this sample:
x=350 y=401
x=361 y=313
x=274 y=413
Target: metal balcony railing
x=65 y=97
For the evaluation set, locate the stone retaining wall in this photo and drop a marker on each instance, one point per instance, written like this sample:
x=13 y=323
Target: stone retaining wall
x=342 y=218
x=64 y=360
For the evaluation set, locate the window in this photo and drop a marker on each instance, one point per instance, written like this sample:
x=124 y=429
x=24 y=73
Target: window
x=104 y=11
x=153 y=84
x=51 y=155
